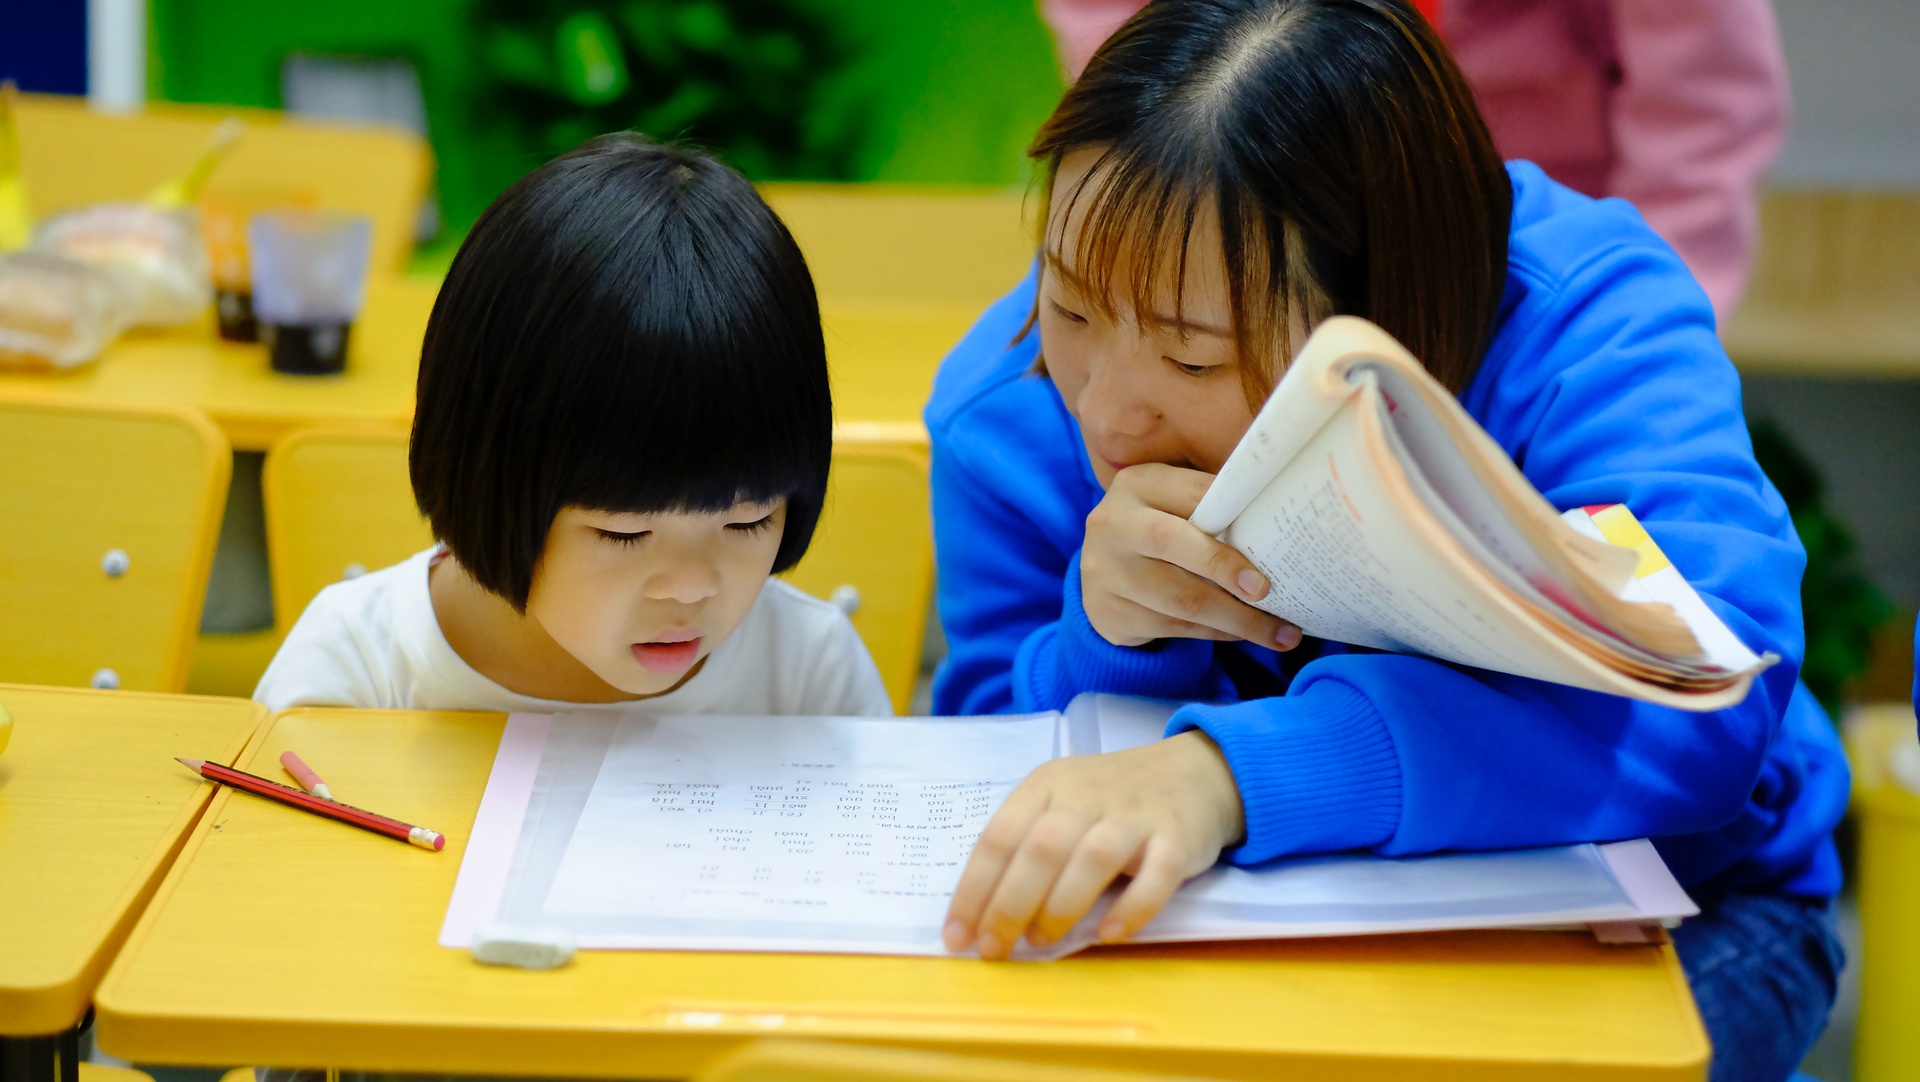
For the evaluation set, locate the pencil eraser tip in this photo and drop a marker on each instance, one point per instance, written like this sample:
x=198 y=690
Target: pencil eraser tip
x=439 y=842
x=527 y=948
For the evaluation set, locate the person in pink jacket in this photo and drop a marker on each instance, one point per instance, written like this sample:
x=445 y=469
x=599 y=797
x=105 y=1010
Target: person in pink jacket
x=1677 y=106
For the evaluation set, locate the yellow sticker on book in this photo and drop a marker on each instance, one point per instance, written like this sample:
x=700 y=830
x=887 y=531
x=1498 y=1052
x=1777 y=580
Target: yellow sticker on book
x=1619 y=527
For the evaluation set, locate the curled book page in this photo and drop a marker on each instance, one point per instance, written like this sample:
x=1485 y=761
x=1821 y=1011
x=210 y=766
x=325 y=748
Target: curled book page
x=1386 y=517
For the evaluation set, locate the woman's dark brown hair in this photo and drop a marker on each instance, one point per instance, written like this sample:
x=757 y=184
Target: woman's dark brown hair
x=1340 y=146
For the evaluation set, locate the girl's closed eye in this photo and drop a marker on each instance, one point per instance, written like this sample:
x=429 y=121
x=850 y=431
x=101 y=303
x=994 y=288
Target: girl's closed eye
x=1186 y=369
x=757 y=525
x=620 y=538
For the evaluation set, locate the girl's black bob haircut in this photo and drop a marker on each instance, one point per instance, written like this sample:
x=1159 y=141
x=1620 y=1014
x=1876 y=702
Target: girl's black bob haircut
x=628 y=328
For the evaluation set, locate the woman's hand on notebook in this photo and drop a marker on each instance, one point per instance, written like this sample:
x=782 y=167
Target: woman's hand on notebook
x=1146 y=573
x=1160 y=813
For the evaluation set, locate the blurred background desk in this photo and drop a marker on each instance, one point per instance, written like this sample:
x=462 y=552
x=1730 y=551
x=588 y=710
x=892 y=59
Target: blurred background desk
x=231 y=383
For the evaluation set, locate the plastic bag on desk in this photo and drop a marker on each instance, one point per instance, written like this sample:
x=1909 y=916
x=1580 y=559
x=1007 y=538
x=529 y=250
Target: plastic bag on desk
x=157 y=254
x=57 y=312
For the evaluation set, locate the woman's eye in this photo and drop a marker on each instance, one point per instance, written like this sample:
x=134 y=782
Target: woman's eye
x=1190 y=369
x=1063 y=312
x=619 y=538
x=752 y=527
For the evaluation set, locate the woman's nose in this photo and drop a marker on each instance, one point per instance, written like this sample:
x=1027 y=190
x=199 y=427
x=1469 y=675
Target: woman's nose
x=1111 y=403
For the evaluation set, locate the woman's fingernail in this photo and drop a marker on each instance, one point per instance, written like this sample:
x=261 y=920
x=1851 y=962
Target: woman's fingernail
x=954 y=935
x=1111 y=931
x=1250 y=583
x=1288 y=637
x=987 y=945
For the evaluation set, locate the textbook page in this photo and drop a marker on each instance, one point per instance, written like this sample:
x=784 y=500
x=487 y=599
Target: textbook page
x=1346 y=562
x=1383 y=516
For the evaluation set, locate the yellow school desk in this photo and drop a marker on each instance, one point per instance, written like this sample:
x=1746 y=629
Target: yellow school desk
x=281 y=938
x=93 y=810
x=255 y=405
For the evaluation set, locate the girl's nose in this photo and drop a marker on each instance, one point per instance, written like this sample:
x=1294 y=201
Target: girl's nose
x=687 y=577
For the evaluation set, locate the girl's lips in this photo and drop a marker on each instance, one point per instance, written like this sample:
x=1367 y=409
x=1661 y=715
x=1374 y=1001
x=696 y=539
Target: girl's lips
x=667 y=657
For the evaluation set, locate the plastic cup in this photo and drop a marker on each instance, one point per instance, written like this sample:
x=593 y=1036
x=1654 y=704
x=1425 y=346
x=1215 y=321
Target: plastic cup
x=309 y=281
x=224 y=213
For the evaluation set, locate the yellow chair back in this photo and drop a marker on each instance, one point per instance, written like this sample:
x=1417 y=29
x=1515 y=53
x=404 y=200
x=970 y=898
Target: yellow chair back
x=1886 y=807
x=108 y=521
x=338 y=501
x=875 y=538
x=883 y=242
x=818 y=1061
x=71 y=156
x=883 y=354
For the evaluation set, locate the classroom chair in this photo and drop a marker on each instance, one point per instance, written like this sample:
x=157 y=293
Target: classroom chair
x=1886 y=805
x=810 y=1061
x=882 y=355
x=873 y=549
x=71 y=155
x=108 y=518
x=95 y=1072
x=339 y=503
x=919 y=244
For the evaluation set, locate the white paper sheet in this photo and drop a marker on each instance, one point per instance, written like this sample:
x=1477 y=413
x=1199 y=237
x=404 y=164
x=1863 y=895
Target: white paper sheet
x=848 y=835
x=836 y=821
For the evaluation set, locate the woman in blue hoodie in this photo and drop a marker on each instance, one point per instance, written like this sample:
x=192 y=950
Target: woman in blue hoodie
x=1226 y=174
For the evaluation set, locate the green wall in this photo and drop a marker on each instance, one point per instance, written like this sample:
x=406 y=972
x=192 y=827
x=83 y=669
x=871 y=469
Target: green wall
x=954 y=88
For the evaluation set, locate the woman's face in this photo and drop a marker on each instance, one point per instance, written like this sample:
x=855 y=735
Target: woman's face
x=1145 y=386
x=642 y=598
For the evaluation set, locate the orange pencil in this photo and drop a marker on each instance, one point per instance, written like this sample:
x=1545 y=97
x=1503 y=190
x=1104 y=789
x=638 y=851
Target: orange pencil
x=304 y=774
x=346 y=813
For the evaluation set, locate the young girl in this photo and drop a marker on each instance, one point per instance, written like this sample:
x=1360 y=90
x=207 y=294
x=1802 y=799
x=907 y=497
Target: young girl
x=1226 y=174
x=622 y=429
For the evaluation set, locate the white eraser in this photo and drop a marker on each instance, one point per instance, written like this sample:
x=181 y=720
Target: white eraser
x=528 y=948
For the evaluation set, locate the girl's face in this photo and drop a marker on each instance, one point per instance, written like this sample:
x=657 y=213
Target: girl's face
x=1145 y=386
x=641 y=599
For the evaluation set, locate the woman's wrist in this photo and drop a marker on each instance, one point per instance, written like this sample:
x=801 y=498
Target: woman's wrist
x=1211 y=779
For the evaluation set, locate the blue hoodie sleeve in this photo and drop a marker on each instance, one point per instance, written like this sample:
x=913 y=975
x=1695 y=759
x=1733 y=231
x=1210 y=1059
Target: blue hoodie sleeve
x=1607 y=384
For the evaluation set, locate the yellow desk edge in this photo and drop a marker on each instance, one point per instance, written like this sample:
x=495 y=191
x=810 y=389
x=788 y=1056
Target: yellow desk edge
x=155 y=1033
x=130 y=906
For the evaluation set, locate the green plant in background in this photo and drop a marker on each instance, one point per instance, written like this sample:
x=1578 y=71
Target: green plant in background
x=1841 y=605
x=747 y=78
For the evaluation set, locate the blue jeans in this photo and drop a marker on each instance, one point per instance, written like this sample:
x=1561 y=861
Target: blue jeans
x=1764 y=969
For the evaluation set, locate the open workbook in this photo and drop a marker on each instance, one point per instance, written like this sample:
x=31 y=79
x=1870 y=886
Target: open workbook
x=1384 y=516
x=847 y=835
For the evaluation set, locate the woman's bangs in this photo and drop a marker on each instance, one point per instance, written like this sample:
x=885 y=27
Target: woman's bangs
x=1130 y=249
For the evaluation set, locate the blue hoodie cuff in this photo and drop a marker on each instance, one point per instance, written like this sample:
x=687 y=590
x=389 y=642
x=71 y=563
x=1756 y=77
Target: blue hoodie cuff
x=1316 y=770
x=1081 y=660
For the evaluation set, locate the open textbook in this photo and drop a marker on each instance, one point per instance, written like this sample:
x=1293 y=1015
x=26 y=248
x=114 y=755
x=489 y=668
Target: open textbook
x=1384 y=516
x=847 y=835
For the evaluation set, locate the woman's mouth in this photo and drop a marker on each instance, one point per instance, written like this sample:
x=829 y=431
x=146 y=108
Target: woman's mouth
x=670 y=654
